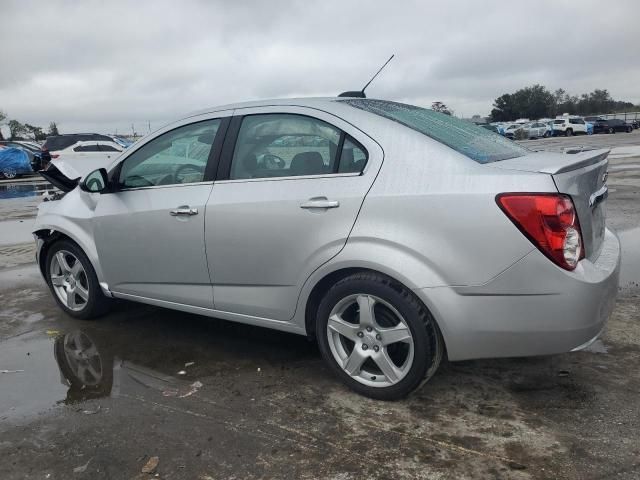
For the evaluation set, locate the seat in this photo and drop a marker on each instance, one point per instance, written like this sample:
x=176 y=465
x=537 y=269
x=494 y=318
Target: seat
x=307 y=163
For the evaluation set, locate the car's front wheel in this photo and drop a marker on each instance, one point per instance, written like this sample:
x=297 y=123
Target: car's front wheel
x=377 y=336
x=73 y=281
x=568 y=132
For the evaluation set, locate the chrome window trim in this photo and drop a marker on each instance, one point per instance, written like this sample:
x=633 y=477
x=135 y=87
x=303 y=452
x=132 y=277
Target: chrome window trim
x=164 y=186
x=290 y=177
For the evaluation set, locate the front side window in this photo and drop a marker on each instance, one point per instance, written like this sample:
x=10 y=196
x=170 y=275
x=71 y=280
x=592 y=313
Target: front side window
x=175 y=157
x=476 y=143
x=284 y=145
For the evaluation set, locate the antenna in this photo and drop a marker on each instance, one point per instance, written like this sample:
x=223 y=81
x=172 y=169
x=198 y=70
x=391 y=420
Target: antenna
x=360 y=93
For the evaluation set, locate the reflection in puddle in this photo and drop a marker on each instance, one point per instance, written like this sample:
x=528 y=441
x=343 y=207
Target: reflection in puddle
x=85 y=371
x=630 y=270
x=20 y=190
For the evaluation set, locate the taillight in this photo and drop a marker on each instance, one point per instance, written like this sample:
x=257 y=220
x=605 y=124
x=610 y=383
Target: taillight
x=549 y=221
x=54 y=155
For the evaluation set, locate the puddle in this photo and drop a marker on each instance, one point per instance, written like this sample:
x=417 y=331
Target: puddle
x=158 y=354
x=22 y=190
x=630 y=270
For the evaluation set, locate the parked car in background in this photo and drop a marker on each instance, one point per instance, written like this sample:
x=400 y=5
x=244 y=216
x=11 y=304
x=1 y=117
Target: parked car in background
x=510 y=130
x=537 y=130
x=33 y=151
x=308 y=233
x=569 y=126
x=55 y=143
x=85 y=156
x=611 y=125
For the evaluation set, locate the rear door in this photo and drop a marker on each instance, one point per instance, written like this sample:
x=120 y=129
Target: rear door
x=289 y=189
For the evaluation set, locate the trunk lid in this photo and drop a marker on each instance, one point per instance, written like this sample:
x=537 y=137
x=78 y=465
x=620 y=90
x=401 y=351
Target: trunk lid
x=582 y=176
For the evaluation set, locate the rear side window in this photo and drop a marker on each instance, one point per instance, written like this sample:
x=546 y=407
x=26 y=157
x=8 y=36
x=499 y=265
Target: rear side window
x=284 y=145
x=86 y=148
x=353 y=157
x=108 y=148
x=476 y=143
x=558 y=122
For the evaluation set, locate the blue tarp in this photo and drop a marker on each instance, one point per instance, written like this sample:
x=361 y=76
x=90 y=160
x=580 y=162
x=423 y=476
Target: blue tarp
x=14 y=160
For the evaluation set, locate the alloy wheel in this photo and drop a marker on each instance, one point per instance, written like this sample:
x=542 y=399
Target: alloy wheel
x=69 y=280
x=370 y=340
x=83 y=358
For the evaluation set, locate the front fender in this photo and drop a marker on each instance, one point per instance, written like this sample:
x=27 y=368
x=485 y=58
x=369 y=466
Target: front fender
x=56 y=216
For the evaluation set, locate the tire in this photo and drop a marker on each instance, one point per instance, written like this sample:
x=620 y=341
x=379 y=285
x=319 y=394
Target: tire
x=568 y=132
x=611 y=130
x=629 y=129
x=410 y=361
x=63 y=277
x=546 y=134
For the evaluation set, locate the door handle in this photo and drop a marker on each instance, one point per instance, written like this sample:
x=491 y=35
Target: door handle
x=320 y=203
x=183 y=210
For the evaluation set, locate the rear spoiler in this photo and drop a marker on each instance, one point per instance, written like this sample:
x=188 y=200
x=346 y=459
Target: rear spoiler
x=58 y=180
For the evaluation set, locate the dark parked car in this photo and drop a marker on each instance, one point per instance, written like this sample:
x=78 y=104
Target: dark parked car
x=611 y=125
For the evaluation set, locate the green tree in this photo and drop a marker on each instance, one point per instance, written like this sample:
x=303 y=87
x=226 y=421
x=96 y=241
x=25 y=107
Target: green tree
x=53 y=129
x=35 y=132
x=16 y=130
x=441 y=107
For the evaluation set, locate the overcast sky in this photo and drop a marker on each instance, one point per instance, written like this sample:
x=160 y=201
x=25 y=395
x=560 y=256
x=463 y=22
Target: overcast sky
x=103 y=65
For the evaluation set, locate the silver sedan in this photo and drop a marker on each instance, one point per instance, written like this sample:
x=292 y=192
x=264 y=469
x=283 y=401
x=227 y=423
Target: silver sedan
x=391 y=234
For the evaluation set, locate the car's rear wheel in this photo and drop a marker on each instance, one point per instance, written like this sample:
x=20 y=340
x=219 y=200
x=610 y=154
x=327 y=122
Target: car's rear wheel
x=629 y=129
x=73 y=281
x=611 y=130
x=377 y=336
x=568 y=132
x=546 y=134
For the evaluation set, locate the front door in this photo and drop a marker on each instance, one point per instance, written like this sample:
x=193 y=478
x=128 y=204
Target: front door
x=150 y=232
x=284 y=204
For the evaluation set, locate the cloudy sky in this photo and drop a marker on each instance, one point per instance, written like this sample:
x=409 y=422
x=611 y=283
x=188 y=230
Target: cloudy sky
x=103 y=65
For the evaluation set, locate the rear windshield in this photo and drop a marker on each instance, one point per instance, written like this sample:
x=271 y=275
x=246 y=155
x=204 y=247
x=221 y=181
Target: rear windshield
x=479 y=144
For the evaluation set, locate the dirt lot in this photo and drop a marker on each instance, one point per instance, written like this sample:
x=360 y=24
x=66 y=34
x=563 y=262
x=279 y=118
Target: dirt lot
x=260 y=404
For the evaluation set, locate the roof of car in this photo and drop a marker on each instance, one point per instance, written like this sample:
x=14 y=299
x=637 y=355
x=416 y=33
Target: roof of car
x=299 y=102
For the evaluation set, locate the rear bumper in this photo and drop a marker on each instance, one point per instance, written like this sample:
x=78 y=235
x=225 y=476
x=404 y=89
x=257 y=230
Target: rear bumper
x=532 y=308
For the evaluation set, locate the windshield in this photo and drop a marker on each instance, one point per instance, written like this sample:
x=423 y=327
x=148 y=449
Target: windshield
x=476 y=143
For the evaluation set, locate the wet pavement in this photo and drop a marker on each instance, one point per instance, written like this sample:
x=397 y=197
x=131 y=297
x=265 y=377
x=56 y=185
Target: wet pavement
x=212 y=399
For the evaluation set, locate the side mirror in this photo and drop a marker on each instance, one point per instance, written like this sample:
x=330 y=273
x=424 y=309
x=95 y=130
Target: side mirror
x=95 y=182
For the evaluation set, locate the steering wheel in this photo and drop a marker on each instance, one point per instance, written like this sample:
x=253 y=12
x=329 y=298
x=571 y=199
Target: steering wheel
x=272 y=162
x=189 y=172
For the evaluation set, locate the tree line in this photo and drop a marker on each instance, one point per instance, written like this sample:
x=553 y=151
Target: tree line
x=537 y=101
x=25 y=131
